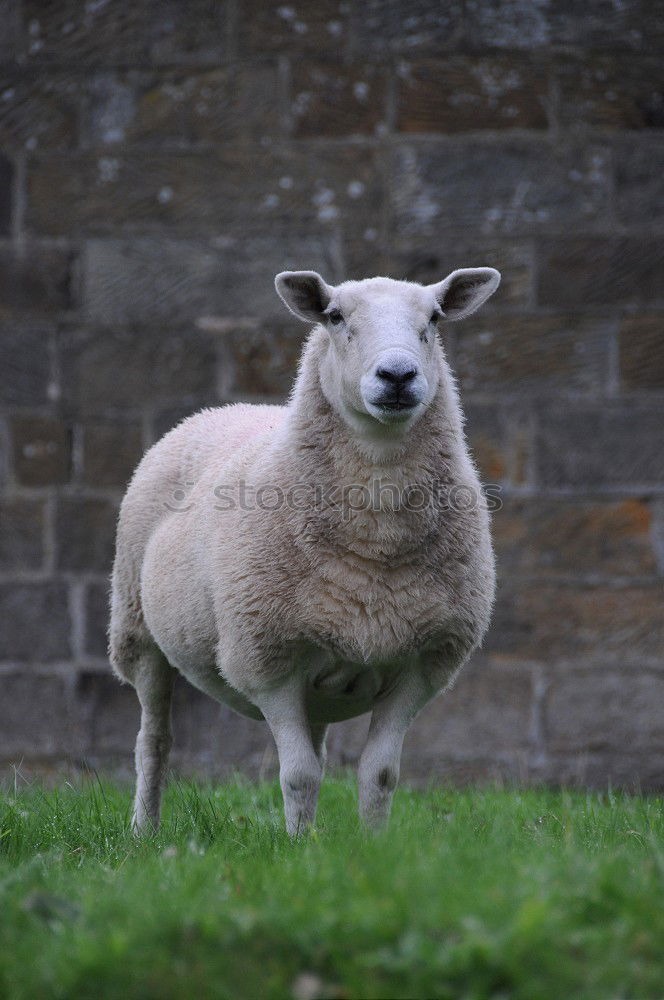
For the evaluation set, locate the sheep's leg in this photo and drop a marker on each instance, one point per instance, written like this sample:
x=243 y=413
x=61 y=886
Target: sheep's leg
x=318 y=734
x=154 y=685
x=300 y=769
x=379 y=764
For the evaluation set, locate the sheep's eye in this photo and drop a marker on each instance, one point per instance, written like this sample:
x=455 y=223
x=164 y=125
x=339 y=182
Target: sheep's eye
x=434 y=317
x=334 y=317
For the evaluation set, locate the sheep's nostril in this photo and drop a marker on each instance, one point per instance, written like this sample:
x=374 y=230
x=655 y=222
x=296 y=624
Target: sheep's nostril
x=396 y=377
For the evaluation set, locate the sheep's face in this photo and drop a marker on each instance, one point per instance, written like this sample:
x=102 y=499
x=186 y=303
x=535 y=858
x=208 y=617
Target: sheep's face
x=383 y=362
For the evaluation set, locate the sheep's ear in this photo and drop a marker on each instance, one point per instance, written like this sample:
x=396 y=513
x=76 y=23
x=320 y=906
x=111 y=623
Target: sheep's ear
x=305 y=293
x=464 y=291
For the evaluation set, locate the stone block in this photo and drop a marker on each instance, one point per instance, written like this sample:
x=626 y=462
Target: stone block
x=487 y=711
x=144 y=33
x=35 y=716
x=429 y=261
x=10 y=30
x=600 y=272
x=501 y=442
x=35 y=622
x=554 y=538
x=262 y=363
x=532 y=354
x=404 y=26
x=6 y=188
x=610 y=92
x=235 y=193
x=21 y=534
x=270 y=27
x=587 y=625
x=463 y=94
x=172 y=109
x=173 y=282
x=111 y=452
x=85 y=534
x=25 y=364
x=39 y=112
x=588 y=712
x=110 y=713
x=36 y=282
x=641 y=352
x=639 y=172
x=42 y=449
x=505 y=186
x=592 y=448
x=96 y=619
x=123 y=372
x=331 y=99
x=635 y=25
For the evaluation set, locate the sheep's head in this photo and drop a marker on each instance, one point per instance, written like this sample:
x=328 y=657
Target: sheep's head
x=382 y=363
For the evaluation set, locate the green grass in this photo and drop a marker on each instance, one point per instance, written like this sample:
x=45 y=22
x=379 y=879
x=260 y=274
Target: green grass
x=476 y=893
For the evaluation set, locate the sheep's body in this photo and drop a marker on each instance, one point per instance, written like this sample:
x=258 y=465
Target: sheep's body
x=291 y=604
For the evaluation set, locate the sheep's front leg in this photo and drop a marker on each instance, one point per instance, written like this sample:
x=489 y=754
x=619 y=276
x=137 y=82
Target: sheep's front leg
x=300 y=767
x=379 y=764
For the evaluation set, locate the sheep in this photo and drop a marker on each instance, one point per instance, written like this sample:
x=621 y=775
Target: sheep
x=312 y=562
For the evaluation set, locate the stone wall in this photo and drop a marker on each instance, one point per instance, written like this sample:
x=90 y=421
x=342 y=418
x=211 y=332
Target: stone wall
x=161 y=161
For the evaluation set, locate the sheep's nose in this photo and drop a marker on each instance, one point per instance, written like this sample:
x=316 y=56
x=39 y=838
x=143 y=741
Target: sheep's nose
x=398 y=376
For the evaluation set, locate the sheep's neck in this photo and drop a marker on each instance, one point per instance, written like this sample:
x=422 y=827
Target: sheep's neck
x=367 y=509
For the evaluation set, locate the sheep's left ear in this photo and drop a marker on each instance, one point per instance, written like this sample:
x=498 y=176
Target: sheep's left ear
x=305 y=293
x=464 y=291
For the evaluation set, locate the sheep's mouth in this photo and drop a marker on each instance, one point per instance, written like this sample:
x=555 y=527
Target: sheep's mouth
x=396 y=404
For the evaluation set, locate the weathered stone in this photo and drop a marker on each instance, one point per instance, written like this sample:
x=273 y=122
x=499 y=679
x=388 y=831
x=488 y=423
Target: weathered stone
x=329 y=99
x=501 y=442
x=642 y=352
x=461 y=94
x=35 y=622
x=35 y=716
x=39 y=112
x=497 y=187
x=85 y=533
x=587 y=447
x=589 y=712
x=640 y=192
x=25 y=364
x=384 y=26
x=37 y=281
x=110 y=711
x=528 y=354
x=6 y=184
x=611 y=92
x=262 y=363
x=297 y=192
x=267 y=26
x=588 y=624
x=603 y=271
x=174 y=282
x=146 y=32
x=570 y=538
x=21 y=534
x=169 y=109
x=487 y=711
x=216 y=737
x=42 y=451
x=522 y=24
x=96 y=619
x=10 y=20
x=108 y=371
x=111 y=452
x=427 y=261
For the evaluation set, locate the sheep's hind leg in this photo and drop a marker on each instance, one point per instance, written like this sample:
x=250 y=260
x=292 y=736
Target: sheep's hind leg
x=300 y=763
x=153 y=681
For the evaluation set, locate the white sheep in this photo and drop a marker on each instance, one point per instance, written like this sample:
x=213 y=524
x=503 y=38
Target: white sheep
x=311 y=562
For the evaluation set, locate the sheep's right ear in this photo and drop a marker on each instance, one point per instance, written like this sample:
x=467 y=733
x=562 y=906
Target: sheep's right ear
x=305 y=293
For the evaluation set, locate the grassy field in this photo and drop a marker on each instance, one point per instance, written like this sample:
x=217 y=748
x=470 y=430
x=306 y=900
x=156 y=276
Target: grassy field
x=476 y=893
